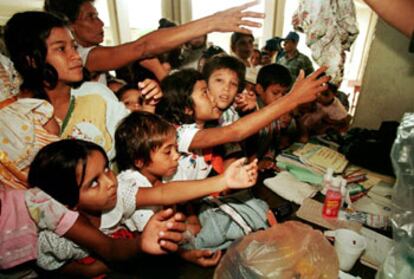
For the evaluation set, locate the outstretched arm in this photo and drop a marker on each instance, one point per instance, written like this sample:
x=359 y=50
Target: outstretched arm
x=162 y=233
x=162 y=40
x=238 y=175
x=398 y=13
x=303 y=91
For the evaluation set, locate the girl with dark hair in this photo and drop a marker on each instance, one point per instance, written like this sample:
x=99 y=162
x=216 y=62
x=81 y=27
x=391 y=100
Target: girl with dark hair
x=91 y=188
x=48 y=61
x=187 y=105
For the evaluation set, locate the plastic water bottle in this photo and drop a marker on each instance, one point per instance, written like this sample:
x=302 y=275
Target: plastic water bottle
x=399 y=263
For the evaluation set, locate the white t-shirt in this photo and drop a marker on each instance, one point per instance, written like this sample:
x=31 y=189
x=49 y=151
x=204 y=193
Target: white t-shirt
x=125 y=212
x=191 y=165
x=84 y=53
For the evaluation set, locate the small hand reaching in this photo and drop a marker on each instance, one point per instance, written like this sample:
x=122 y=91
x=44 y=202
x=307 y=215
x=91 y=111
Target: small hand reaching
x=246 y=101
x=151 y=92
x=163 y=232
x=240 y=175
x=305 y=90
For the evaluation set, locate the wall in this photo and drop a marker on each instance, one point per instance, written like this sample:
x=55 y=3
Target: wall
x=9 y=7
x=388 y=84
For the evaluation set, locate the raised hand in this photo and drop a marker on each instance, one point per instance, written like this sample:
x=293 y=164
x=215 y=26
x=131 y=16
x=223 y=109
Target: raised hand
x=305 y=90
x=163 y=232
x=151 y=93
x=240 y=175
x=234 y=19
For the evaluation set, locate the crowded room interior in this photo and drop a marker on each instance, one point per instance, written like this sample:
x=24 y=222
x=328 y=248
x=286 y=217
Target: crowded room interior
x=207 y=139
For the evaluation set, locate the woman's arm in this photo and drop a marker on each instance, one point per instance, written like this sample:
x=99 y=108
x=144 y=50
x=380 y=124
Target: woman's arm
x=237 y=176
x=232 y=20
x=304 y=90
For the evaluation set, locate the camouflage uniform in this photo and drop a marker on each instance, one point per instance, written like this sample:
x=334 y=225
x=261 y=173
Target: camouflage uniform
x=297 y=62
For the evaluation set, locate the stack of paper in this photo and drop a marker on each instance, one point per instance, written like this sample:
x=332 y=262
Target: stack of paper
x=322 y=157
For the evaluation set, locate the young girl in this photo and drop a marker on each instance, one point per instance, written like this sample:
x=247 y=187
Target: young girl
x=47 y=59
x=26 y=212
x=186 y=104
x=91 y=187
x=328 y=114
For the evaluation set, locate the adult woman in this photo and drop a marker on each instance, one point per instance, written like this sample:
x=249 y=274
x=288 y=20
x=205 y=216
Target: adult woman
x=88 y=32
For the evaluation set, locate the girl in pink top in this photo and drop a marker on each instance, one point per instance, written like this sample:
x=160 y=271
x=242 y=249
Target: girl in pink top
x=23 y=213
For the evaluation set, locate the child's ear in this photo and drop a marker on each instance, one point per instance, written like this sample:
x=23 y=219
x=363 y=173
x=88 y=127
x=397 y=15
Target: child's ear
x=188 y=111
x=138 y=164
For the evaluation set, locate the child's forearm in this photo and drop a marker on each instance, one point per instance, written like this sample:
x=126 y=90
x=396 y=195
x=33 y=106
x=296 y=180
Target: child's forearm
x=85 y=235
x=180 y=191
x=303 y=91
x=244 y=127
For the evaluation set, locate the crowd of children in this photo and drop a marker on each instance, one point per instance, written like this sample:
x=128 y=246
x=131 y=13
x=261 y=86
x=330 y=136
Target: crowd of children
x=92 y=164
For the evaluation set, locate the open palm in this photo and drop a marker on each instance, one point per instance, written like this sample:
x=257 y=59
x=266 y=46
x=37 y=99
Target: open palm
x=240 y=175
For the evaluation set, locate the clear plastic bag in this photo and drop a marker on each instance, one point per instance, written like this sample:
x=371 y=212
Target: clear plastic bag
x=288 y=250
x=400 y=260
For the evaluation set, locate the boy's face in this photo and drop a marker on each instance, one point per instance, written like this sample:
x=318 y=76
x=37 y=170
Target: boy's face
x=274 y=92
x=132 y=99
x=325 y=98
x=164 y=160
x=244 y=47
x=223 y=85
x=204 y=107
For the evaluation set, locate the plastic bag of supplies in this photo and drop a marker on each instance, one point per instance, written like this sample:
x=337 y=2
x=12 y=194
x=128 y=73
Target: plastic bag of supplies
x=288 y=250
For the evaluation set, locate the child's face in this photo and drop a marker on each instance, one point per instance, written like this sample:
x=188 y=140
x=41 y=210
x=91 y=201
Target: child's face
x=244 y=47
x=204 y=107
x=164 y=160
x=325 y=98
x=222 y=87
x=132 y=99
x=256 y=58
x=98 y=191
x=63 y=56
x=274 y=92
